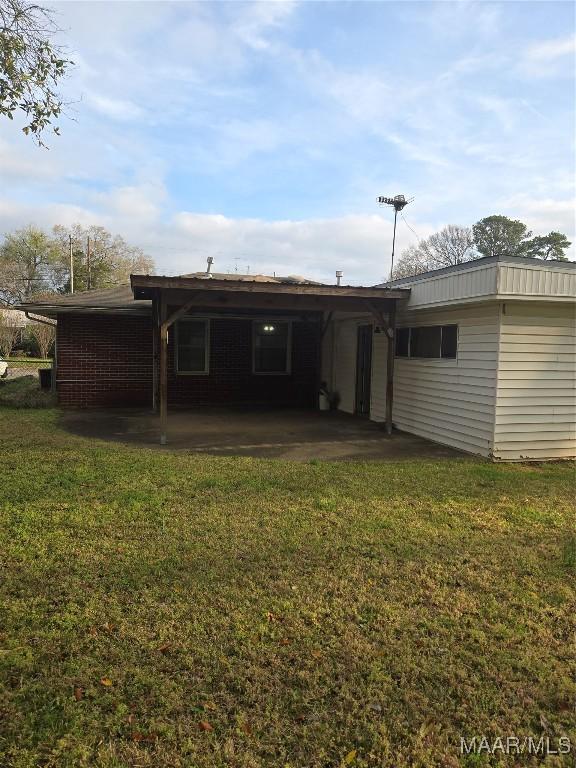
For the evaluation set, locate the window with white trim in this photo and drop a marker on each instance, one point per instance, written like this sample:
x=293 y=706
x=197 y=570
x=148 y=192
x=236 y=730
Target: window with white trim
x=192 y=345
x=427 y=342
x=271 y=346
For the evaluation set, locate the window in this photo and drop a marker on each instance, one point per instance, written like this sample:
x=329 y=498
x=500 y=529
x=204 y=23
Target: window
x=449 y=340
x=427 y=342
x=192 y=346
x=402 y=342
x=271 y=347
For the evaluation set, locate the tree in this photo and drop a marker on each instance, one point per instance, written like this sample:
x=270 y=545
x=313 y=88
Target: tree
x=550 y=246
x=9 y=332
x=500 y=236
x=452 y=245
x=112 y=259
x=44 y=335
x=31 y=65
x=28 y=264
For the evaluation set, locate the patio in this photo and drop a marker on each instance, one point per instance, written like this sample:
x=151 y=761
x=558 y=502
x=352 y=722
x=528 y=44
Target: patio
x=297 y=435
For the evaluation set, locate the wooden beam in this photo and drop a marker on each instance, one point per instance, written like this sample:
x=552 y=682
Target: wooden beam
x=181 y=311
x=163 y=395
x=380 y=318
x=147 y=283
x=163 y=323
x=391 y=332
x=225 y=300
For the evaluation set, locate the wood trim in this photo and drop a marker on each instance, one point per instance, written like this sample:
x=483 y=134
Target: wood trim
x=390 y=357
x=279 y=302
x=145 y=285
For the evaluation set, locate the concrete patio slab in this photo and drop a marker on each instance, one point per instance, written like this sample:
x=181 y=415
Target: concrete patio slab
x=297 y=435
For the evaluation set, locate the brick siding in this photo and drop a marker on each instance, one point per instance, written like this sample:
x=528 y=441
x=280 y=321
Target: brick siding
x=106 y=361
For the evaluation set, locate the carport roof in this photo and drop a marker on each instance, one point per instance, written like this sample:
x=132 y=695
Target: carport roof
x=219 y=290
x=147 y=286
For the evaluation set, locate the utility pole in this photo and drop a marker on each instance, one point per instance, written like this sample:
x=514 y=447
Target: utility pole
x=71 y=264
x=398 y=202
x=89 y=266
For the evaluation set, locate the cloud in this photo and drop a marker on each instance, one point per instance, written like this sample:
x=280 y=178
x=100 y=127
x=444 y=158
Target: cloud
x=117 y=109
x=261 y=133
x=548 y=58
x=543 y=215
x=260 y=19
x=360 y=245
x=552 y=49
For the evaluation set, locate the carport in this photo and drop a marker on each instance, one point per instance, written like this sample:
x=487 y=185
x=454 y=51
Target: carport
x=256 y=432
x=174 y=298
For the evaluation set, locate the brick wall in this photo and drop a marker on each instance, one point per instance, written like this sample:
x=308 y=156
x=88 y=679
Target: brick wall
x=107 y=361
x=104 y=360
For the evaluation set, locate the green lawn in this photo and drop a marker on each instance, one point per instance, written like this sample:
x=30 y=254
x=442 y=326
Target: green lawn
x=165 y=609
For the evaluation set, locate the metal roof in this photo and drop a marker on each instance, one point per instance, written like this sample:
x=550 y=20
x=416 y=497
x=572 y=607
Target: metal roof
x=483 y=261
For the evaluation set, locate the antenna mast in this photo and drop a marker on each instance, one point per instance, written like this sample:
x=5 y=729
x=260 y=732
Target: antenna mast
x=398 y=203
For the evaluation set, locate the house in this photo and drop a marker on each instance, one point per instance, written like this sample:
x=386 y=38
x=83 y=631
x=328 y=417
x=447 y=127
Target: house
x=479 y=356
x=485 y=358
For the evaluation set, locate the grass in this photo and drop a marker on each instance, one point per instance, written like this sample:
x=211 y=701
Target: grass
x=24 y=392
x=169 y=609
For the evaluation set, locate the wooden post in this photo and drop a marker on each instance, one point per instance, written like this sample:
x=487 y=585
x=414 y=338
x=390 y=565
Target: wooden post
x=391 y=333
x=163 y=394
x=155 y=338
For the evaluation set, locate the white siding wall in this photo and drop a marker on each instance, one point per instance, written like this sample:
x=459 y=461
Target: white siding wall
x=453 y=287
x=537 y=281
x=536 y=396
x=449 y=401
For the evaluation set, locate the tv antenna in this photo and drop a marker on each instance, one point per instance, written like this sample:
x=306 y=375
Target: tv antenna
x=398 y=202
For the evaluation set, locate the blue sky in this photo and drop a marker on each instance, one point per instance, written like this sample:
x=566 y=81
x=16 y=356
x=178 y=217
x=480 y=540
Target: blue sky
x=261 y=133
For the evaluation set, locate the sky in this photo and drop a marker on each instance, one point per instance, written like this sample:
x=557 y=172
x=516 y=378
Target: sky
x=261 y=133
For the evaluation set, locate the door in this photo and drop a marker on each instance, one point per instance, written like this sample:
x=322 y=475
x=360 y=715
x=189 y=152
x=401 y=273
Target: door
x=363 y=369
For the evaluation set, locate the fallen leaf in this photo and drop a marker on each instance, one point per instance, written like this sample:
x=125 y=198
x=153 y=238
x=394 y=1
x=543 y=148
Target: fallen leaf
x=350 y=757
x=205 y=726
x=106 y=682
x=209 y=705
x=246 y=728
x=164 y=647
x=316 y=654
x=149 y=737
x=78 y=693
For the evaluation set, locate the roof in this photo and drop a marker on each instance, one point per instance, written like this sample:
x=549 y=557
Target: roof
x=483 y=261
x=121 y=299
x=144 y=286
x=289 y=279
x=116 y=299
x=493 y=278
